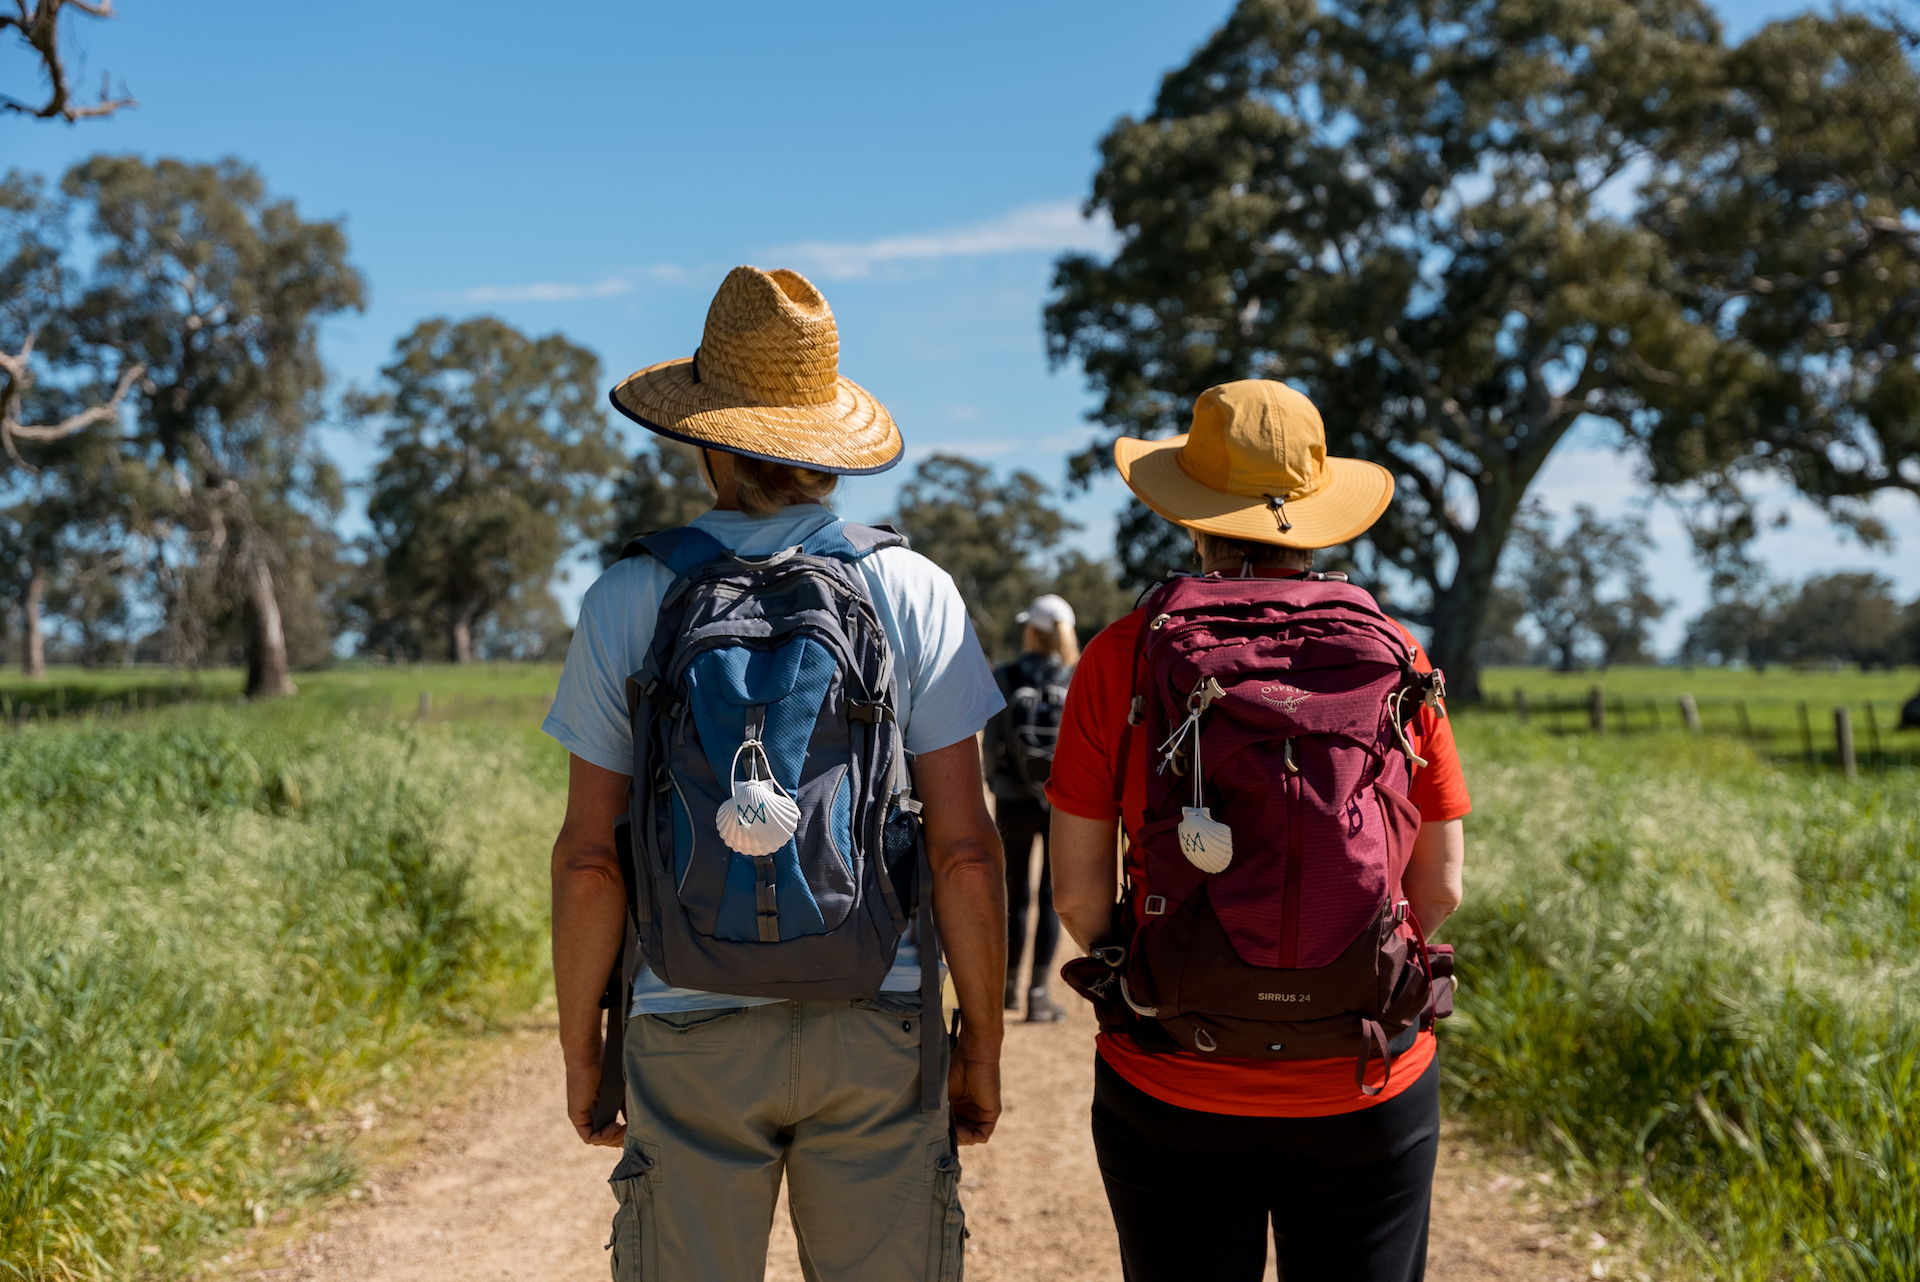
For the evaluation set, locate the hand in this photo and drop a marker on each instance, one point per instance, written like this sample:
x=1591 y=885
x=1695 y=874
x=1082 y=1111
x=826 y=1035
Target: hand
x=973 y=1092
x=583 y=1088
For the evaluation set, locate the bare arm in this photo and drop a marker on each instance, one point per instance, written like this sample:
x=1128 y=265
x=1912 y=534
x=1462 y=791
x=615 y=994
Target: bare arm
x=1432 y=881
x=970 y=903
x=1086 y=874
x=589 y=908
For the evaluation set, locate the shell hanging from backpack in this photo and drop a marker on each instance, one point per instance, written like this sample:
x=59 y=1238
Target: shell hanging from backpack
x=759 y=817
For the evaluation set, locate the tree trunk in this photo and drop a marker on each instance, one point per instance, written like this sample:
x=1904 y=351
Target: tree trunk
x=268 y=675
x=1459 y=620
x=460 y=635
x=1460 y=610
x=33 y=645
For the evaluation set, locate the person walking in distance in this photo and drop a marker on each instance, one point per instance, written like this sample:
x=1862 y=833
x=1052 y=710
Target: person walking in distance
x=774 y=824
x=1278 y=753
x=1019 y=754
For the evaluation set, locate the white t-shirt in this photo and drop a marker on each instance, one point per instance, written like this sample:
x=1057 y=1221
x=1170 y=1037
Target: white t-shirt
x=946 y=688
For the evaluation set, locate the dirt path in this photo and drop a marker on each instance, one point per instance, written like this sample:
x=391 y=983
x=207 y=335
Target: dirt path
x=506 y=1192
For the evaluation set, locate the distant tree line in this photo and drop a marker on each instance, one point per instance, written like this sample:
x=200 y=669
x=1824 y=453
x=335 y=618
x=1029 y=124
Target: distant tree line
x=163 y=494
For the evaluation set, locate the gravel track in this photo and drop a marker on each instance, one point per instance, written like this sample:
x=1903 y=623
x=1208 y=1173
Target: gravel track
x=505 y=1191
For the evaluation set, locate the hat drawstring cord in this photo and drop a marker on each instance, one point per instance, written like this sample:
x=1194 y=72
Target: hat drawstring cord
x=1279 y=506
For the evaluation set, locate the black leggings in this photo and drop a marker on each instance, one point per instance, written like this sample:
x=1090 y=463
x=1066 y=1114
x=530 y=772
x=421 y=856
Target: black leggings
x=1019 y=821
x=1192 y=1193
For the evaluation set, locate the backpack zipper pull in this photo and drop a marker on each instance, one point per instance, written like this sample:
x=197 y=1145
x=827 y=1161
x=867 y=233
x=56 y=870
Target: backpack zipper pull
x=1286 y=752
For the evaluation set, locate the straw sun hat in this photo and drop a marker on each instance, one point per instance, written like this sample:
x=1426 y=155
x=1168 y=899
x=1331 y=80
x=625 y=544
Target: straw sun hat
x=1255 y=466
x=766 y=383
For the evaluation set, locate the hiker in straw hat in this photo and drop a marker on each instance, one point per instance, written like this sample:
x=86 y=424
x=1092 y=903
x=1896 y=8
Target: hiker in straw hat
x=1215 y=1128
x=780 y=980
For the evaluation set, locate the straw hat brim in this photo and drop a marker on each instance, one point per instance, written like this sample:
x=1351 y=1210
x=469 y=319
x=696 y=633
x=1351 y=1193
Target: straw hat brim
x=852 y=434
x=1355 y=494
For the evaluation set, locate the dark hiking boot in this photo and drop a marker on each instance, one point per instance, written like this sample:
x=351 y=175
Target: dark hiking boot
x=1013 y=995
x=1041 y=1008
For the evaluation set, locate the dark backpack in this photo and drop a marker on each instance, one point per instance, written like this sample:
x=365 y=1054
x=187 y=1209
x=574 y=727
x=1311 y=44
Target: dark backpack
x=1034 y=707
x=1278 y=708
x=775 y=668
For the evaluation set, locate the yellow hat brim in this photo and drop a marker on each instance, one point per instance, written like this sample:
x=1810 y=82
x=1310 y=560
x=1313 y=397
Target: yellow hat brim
x=852 y=434
x=1355 y=494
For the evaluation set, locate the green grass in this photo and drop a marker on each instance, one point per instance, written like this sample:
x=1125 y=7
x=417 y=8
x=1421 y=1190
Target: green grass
x=1687 y=976
x=215 y=921
x=1686 y=960
x=1764 y=707
x=514 y=689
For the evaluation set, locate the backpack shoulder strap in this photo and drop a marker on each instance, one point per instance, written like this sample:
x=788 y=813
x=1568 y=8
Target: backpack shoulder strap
x=850 y=541
x=680 y=550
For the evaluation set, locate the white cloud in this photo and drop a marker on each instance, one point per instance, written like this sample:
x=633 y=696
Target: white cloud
x=546 y=292
x=1049 y=227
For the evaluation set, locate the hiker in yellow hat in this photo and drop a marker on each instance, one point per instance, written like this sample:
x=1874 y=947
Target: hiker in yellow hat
x=741 y=702
x=1247 y=725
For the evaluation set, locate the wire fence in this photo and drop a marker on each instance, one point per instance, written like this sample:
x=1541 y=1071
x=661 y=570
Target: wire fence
x=1847 y=737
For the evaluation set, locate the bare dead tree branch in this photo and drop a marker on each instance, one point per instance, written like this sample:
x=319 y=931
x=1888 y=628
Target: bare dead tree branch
x=40 y=27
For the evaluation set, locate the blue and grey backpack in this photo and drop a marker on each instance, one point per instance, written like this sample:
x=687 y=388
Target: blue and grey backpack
x=767 y=706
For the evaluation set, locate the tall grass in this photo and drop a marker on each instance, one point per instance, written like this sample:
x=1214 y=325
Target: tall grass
x=1688 y=975
x=212 y=920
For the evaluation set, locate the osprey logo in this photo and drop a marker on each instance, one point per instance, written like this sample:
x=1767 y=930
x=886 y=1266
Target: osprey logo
x=1284 y=697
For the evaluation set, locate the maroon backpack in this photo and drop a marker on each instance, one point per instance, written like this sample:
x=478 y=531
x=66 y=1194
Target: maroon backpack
x=1278 y=708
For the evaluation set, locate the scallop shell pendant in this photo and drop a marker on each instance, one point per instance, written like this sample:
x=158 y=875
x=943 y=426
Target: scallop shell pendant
x=1205 y=841
x=758 y=818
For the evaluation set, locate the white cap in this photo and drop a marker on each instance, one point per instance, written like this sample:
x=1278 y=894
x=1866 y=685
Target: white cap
x=1046 y=613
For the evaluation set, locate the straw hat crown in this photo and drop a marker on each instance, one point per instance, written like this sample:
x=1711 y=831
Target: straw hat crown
x=765 y=383
x=770 y=337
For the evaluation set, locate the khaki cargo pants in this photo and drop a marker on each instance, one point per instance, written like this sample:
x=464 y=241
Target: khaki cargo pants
x=722 y=1103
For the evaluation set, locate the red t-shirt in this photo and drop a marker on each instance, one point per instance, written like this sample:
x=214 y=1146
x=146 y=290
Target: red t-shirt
x=1081 y=784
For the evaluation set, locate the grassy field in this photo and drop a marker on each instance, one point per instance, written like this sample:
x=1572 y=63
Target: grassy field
x=1687 y=978
x=215 y=922
x=509 y=689
x=1686 y=960
x=1786 y=713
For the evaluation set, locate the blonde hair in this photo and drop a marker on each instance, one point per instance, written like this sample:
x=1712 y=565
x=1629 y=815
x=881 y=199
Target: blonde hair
x=1059 y=640
x=1213 y=547
x=763 y=488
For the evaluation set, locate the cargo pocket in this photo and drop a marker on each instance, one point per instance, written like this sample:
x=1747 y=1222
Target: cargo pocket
x=631 y=1244
x=946 y=1242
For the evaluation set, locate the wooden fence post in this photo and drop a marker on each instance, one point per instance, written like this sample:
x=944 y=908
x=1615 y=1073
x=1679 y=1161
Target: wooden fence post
x=1746 y=726
x=1597 y=709
x=1690 y=713
x=1843 y=741
x=1520 y=706
x=426 y=704
x=1806 y=734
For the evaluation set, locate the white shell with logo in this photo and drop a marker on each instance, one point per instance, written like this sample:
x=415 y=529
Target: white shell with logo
x=758 y=818
x=1205 y=841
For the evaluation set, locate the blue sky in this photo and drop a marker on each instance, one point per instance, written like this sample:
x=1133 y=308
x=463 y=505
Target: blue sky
x=595 y=168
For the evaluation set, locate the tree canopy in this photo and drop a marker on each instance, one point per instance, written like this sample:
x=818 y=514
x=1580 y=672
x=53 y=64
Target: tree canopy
x=1461 y=228
x=1000 y=540
x=496 y=451
x=658 y=489
x=217 y=291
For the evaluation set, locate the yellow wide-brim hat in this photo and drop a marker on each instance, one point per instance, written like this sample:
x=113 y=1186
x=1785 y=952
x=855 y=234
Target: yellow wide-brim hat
x=765 y=383
x=1255 y=466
